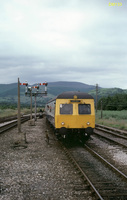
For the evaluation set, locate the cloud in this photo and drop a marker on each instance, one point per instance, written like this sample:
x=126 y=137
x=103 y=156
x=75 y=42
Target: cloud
x=72 y=40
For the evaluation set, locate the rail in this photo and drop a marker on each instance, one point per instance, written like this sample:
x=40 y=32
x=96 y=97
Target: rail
x=110 y=129
x=107 y=163
x=109 y=133
x=83 y=175
x=12 y=124
x=101 y=184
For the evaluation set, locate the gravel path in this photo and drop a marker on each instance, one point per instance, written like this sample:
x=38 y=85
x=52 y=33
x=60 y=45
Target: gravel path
x=40 y=171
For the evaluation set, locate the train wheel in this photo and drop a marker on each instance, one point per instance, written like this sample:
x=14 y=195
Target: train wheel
x=84 y=137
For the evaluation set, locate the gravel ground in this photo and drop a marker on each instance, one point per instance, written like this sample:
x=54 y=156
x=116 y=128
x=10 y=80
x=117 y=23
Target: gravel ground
x=40 y=171
x=114 y=153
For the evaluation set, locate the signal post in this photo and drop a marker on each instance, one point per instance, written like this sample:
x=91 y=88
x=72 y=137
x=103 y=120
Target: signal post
x=29 y=92
x=21 y=137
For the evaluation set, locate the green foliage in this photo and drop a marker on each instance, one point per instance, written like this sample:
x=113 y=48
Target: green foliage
x=8 y=93
x=6 y=105
x=116 y=102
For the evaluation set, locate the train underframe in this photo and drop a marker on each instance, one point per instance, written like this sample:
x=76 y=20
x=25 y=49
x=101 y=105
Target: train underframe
x=70 y=134
x=82 y=134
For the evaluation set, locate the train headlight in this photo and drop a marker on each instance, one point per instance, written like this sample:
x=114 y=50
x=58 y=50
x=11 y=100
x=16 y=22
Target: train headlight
x=62 y=123
x=88 y=123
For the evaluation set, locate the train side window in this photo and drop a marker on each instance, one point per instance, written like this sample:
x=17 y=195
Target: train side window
x=84 y=109
x=66 y=109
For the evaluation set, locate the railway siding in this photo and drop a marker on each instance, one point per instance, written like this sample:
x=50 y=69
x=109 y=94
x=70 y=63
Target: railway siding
x=118 y=137
x=102 y=127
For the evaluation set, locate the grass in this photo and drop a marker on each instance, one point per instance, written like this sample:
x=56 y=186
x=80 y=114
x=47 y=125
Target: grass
x=12 y=112
x=116 y=119
x=7 y=112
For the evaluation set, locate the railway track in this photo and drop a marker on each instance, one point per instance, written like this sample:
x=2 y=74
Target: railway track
x=99 y=170
x=106 y=181
x=113 y=131
x=114 y=135
x=6 y=119
x=11 y=124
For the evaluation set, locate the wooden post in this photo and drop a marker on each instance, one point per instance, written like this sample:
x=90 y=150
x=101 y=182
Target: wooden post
x=31 y=104
x=101 y=111
x=35 y=109
x=96 y=95
x=19 y=115
x=20 y=136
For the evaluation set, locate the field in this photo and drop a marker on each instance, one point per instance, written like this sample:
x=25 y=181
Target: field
x=116 y=119
x=12 y=112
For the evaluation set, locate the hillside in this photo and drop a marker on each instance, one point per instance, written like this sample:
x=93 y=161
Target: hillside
x=8 y=92
x=104 y=92
x=56 y=88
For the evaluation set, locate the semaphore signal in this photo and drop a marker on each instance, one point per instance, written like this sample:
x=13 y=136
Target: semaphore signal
x=29 y=89
x=23 y=83
x=43 y=83
x=29 y=92
x=37 y=87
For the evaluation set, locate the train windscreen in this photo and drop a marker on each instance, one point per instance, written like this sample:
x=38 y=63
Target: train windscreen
x=66 y=109
x=84 y=109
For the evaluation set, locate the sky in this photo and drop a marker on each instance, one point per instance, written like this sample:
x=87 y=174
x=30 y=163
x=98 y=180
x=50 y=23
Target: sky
x=64 y=40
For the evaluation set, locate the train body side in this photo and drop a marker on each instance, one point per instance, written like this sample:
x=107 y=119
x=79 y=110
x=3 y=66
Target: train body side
x=50 y=112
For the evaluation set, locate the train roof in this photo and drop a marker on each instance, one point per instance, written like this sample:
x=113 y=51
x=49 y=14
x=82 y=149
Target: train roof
x=71 y=94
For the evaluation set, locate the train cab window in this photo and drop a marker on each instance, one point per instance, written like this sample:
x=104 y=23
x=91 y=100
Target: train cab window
x=66 y=109
x=84 y=109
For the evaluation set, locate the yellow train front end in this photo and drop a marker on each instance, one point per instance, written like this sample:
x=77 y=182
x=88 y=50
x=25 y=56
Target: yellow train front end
x=75 y=116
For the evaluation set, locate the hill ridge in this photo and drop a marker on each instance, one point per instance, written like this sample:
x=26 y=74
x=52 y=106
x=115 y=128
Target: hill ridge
x=8 y=92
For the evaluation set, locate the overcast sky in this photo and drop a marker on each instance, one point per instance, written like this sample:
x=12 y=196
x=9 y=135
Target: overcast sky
x=64 y=40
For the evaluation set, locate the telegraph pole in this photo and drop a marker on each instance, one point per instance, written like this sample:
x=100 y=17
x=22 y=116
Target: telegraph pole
x=31 y=104
x=96 y=95
x=19 y=115
x=35 y=109
x=101 y=111
x=21 y=137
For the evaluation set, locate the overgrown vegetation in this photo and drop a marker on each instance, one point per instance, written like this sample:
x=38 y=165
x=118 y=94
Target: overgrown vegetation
x=13 y=106
x=12 y=112
x=116 y=102
x=116 y=119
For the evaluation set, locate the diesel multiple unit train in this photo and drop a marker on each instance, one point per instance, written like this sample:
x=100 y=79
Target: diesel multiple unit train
x=72 y=114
